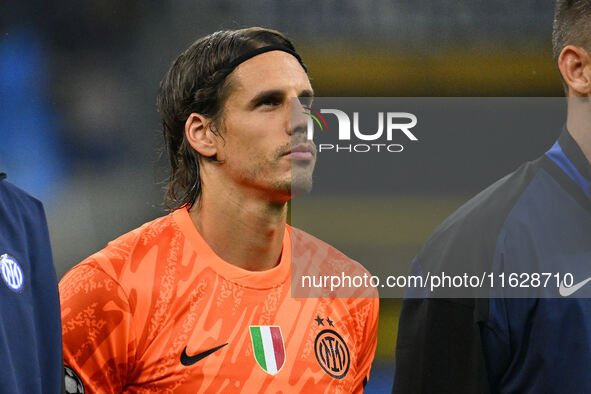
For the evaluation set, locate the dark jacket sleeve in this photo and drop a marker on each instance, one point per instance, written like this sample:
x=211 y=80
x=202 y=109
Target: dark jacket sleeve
x=439 y=349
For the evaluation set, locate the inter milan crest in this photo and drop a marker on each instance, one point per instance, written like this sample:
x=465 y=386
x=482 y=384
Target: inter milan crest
x=331 y=351
x=267 y=344
x=12 y=273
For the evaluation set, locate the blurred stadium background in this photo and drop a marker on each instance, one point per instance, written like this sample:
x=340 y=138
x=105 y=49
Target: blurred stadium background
x=78 y=81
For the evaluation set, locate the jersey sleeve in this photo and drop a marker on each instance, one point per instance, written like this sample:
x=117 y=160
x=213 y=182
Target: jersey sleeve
x=98 y=332
x=439 y=349
x=368 y=348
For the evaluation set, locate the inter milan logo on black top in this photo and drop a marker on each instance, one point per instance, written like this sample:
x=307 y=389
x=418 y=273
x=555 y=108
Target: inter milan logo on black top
x=332 y=352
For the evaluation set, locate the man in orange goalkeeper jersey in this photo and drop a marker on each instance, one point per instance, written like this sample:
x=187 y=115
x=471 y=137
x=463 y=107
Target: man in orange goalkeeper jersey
x=200 y=300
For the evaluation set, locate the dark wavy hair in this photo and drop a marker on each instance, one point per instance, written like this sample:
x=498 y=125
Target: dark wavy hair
x=572 y=26
x=197 y=82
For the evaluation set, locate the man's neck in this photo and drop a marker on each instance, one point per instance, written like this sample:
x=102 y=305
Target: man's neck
x=244 y=231
x=579 y=124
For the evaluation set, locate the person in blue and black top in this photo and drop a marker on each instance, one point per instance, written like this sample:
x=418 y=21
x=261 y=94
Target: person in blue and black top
x=30 y=327
x=537 y=219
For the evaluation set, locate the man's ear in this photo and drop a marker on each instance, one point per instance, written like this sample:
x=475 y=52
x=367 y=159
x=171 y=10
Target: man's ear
x=200 y=136
x=574 y=64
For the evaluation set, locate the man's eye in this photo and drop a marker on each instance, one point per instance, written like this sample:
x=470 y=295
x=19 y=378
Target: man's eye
x=270 y=101
x=306 y=101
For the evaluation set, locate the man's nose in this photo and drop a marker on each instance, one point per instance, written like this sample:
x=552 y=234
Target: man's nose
x=298 y=121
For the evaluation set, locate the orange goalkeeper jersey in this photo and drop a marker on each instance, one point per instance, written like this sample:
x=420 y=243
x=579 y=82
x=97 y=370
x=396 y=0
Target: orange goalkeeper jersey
x=158 y=311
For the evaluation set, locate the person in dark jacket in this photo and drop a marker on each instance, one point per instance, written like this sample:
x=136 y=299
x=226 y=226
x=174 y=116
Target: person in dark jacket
x=535 y=220
x=30 y=326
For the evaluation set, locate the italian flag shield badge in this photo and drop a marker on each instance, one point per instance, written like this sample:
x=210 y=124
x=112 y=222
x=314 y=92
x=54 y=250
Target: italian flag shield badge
x=267 y=344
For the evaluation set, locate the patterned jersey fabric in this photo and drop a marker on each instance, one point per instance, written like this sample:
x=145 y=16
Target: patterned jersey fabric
x=158 y=311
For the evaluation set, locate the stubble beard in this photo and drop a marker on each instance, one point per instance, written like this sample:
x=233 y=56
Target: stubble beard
x=301 y=181
x=298 y=182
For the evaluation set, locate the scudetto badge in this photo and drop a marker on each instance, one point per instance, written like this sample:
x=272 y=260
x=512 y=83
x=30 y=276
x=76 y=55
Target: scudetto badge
x=332 y=353
x=11 y=273
x=268 y=348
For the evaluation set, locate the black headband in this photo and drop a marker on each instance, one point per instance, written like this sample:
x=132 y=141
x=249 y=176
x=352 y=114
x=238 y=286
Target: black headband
x=241 y=59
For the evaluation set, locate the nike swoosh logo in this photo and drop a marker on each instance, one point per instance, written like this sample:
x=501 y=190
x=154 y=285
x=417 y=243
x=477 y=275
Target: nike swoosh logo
x=566 y=291
x=186 y=360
